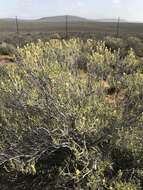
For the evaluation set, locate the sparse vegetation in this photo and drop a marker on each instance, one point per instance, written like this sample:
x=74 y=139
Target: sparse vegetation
x=75 y=98
x=7 y=49
x=136 y=44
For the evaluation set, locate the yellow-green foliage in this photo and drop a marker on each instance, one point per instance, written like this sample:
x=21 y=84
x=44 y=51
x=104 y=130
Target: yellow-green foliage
x=101 y=106
x=124 y=186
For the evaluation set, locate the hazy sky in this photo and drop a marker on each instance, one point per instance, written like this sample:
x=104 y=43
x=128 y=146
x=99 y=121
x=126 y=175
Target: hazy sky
x=126 y=9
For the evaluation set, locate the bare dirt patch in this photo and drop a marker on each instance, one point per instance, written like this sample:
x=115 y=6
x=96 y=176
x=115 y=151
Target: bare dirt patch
x=5 y=59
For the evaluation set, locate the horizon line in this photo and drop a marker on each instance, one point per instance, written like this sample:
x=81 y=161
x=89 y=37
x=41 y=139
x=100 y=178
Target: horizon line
x=90 y=19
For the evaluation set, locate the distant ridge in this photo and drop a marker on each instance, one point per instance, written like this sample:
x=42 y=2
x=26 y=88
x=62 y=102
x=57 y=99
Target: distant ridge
x=63 y=18
x=77 y=19
x=110 y=20
x=71 y=18
x=7 y=19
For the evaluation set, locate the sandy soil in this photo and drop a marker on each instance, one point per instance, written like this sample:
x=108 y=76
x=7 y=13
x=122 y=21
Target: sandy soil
x=5 y=59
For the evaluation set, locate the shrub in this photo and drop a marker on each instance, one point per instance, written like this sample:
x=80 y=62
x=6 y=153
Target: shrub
x=55 y=36
x=7 y=49
x=125 y=186
x=114 y=43
x=98 y=114
x=136 y=44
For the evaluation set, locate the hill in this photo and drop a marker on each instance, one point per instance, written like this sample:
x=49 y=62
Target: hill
x=76 y=26
x=63 y=18
x=111 y=20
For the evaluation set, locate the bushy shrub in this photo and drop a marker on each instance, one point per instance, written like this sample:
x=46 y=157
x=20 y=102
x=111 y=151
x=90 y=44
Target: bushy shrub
x=136 y=44
x=55 y=36
x=124 y=186
x=114 y=43
x=98 y=113
x=7 y=49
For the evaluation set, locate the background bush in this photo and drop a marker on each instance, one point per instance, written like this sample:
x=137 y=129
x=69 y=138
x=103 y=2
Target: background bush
x=136 y=44
x=7 y=49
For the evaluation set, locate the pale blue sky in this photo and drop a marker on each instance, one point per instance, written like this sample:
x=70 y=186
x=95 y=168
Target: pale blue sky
x=126 y=9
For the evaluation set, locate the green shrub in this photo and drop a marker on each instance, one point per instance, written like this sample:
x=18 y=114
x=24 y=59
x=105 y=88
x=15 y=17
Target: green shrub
x=114 y=43
x=7 y=49
x=124 y=186
x=136 y=44
x=98 y=114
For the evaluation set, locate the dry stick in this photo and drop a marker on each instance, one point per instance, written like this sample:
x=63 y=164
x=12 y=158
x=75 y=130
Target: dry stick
x=47 y=96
